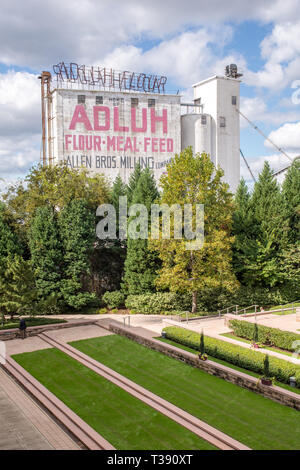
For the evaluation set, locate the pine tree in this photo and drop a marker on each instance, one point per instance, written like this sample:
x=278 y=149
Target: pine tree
x=77 y=233
x=291 y=201
x=133 y=181
x=19 y=292
x=9 y=242
x=118 y=190
x=9 y=246
x=46 y=252
x=195 y=180
x=266 y=367
x=202 y=345
x=141 y=264
x=271 y=230
x=245 y=232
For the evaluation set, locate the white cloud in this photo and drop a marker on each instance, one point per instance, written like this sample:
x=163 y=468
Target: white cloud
x=253 y=108
x=18 y=154
x=186 y=58
x=19 y=103
x=280 y=49
x=20 y=122
x=287 y=137
x=37 y=34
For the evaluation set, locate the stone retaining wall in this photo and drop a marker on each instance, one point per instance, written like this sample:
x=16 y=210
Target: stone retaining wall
x=275 y=393
x=14 y=333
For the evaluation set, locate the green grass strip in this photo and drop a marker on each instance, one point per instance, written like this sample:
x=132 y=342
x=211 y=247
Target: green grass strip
x=126 y=422
x=248 y=417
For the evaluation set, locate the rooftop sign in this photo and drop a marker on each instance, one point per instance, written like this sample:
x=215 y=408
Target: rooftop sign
x=107 y=78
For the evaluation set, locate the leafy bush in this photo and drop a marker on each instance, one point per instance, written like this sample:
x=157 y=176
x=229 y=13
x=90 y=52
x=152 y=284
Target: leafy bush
x=237 y=355
x=214 y=299
x=102 y=311
x=265 y=334
x=114 y=299
x=158 y=303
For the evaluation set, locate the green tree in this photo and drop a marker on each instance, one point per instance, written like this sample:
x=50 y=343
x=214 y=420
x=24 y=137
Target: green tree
x=289 y=266
x=245 y=232
x=195 y=180
x=291 y=201
x=19 y=293
x=133 y=181
x=266 y=367
x=271 y=230
x=118 y=190
x=54 y=186
x=9 y=242
x=141 y=264
x=46 y=252
x=202 y=345
x=77 y=234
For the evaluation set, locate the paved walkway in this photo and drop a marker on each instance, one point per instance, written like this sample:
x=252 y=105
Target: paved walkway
x=35 y=343
x=24 y=425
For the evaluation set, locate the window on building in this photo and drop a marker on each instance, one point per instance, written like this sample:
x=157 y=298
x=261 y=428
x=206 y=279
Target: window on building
x=151 y=103
x=99 y=99
x=81 y=99
x=233 y=100
x=134 y=102
x=203 y=119
x=222 y=121
x=197 y=102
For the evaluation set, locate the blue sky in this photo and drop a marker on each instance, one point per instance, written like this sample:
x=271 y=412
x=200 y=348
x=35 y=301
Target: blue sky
x=187 y=41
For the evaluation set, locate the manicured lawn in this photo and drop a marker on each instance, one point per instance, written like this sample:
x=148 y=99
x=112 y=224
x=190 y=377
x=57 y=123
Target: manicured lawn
x=270 y=348
x=34 y=321
x=123 y=420
x=250 y=418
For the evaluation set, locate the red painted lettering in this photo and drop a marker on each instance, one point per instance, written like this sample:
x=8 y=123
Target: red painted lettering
x=80 y=116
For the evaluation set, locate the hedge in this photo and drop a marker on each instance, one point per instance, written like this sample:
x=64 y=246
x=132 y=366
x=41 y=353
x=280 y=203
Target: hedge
x=158 y=303
x=266 y=335
x=114 y=299
x=237 y=355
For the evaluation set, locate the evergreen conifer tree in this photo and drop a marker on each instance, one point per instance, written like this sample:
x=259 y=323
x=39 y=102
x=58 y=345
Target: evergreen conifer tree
x=77 y=234
x=291 y=201
x=19 y=293
x=202 y=346
x=133 y=181
x=245 y=233
x=141 y=264
x=46 y=252
x=271 y=230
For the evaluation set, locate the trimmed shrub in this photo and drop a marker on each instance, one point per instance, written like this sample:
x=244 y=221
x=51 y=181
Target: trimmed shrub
x=237 y=355
x=265 y=334
x=158 y=303
x=114 y=299
x=102 y=311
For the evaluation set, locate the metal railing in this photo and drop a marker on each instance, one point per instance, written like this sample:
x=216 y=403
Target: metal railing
x=228 y=310
x=244 y=310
